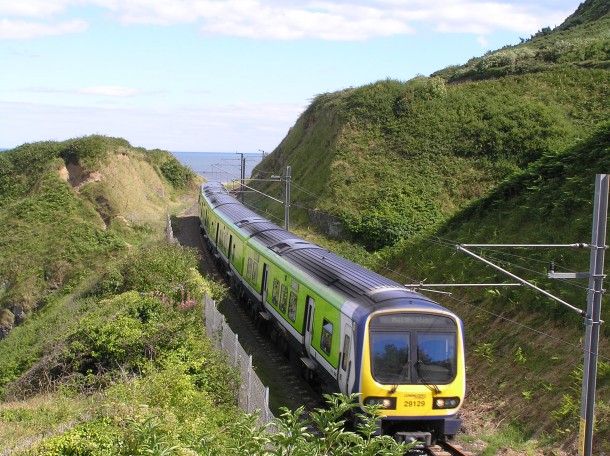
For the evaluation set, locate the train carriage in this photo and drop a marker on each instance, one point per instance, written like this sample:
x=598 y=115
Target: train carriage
x=354 y=330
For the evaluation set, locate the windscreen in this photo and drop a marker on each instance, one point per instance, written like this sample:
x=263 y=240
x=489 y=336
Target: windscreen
x=408 y=348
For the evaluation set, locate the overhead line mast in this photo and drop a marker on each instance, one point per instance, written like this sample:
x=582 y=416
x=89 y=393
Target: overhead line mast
x=591 y=316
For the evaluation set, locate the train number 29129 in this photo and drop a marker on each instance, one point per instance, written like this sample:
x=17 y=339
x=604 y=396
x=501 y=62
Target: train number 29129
x=414 y=403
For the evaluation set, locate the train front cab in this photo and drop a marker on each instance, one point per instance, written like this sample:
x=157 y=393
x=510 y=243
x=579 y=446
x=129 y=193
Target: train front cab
x=413 y=365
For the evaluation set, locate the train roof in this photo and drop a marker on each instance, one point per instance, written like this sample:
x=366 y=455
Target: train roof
x=337 y=273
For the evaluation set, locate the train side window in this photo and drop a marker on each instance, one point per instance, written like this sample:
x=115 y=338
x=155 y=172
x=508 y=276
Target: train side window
x=283 y=298
x=276 y=292
x=292 y=307
x=326 y=340
x=346 y=349
x=249 y=270
x=254 y=271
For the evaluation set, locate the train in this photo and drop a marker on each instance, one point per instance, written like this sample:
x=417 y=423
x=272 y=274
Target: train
x=354 y=331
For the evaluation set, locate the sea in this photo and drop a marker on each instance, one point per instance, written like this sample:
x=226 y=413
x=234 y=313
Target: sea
x=219 y=166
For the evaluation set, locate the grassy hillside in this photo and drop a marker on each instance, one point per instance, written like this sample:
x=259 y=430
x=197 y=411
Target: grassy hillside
x=107 y=351
x=424 y=148
x=110 y=357
x=582 y=41
x=523 y=348
x=66 y=206
x=502 y=149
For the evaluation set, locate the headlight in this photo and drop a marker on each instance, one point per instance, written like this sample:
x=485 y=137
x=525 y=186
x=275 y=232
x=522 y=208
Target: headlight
x=386 y=402
x=446 y=402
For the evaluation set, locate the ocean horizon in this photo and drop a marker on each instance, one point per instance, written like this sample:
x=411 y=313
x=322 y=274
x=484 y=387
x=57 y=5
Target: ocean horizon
x=219 y=166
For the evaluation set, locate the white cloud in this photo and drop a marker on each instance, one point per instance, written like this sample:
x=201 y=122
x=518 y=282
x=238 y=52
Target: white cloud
x=318 y=19
x=32 y=8
x=486 y=17
x=202 y=128
x=482 y=41
x=326 y=21
x=110 y=91
x=21 y=30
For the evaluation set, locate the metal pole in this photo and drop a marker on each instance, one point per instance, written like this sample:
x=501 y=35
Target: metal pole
x=593 y=319
x=243 y=177
x=287 y=203
x=242 y=173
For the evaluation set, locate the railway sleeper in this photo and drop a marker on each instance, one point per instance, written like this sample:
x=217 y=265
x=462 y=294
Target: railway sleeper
x=438 y=451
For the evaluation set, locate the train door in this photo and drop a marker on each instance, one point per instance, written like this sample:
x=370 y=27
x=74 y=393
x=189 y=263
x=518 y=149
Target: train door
x=264 y=282
x=345 y=366
x=309 y=313
x=217 y=231
x=229 y=248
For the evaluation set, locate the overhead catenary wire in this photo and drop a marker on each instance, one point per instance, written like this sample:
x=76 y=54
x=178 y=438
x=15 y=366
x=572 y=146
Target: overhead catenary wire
x=501 y=317
x=451 y=244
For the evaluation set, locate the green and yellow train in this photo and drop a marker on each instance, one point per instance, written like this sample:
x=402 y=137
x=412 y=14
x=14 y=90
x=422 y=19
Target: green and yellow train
x=355 y=331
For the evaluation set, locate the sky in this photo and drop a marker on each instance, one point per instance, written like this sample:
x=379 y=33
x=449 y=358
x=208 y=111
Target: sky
x=226 y=75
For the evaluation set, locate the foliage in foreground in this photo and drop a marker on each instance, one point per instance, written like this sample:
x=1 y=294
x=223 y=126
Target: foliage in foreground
x=146 y=432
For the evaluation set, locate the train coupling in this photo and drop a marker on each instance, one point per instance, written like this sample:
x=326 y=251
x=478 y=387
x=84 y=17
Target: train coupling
x=424 y=439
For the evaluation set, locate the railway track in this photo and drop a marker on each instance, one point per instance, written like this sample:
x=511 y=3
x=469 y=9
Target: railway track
x=287 y=388
x=440 y=449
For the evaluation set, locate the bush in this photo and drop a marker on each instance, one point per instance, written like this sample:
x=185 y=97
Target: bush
x=163 y=269
x=329 y=436
x=178 y=175
x=95 y=438
x=89 y=151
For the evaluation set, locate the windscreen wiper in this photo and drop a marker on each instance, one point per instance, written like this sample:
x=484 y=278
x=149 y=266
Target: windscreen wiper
x=432 y=387
x=404 y=372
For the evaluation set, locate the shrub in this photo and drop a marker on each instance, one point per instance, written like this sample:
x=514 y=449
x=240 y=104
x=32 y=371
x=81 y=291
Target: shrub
x=178 y=175
x=89 y=151
x=95 y=438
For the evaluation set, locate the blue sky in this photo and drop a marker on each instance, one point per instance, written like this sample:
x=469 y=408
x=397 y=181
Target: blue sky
x=226 y=75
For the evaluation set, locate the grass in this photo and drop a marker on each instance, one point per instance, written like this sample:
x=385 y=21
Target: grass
x=116 y=197
x=25 y=423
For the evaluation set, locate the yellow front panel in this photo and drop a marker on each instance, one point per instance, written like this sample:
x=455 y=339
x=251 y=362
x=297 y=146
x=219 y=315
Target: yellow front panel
x=414 y=400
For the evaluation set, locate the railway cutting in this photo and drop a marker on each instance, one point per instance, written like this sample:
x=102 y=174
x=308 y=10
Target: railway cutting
x=256 y=312
x=287 y=387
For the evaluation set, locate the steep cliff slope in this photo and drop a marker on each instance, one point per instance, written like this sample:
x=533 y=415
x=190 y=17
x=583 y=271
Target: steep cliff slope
x=393 y=158
x=65 y=206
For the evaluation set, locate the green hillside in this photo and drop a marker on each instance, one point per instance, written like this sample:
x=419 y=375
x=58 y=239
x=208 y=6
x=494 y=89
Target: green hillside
x=66 y=206
x=106 y=352
x=425 y=148
x=502 y=149
x=523 y=348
